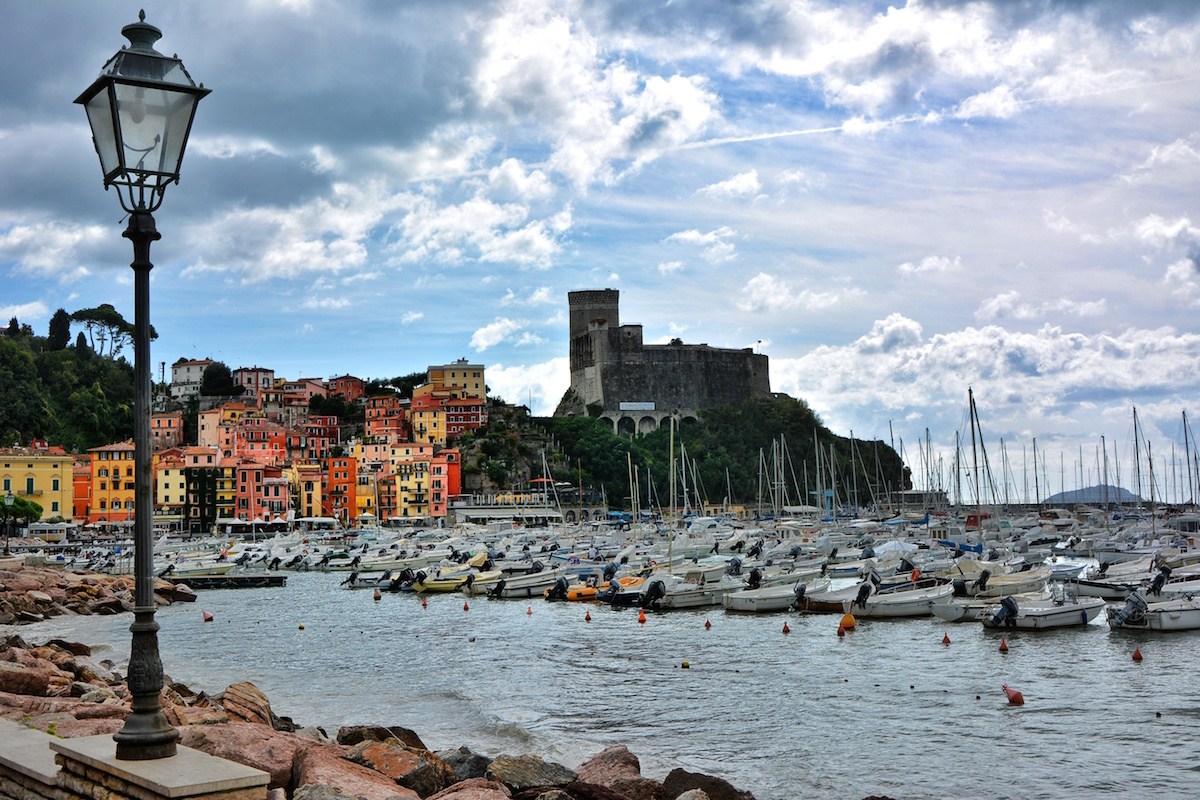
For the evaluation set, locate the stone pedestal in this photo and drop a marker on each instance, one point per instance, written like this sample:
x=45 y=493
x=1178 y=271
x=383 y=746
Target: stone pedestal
x=36 y=766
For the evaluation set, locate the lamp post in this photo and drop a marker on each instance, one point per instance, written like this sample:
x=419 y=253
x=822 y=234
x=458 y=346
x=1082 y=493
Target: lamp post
x=8 y=501
x=140 y=110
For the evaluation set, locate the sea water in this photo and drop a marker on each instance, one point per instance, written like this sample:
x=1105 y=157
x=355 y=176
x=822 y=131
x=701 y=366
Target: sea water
x=887 y=709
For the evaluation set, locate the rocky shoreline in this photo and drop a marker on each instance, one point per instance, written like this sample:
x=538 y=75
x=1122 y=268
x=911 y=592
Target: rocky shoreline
x=57 y=687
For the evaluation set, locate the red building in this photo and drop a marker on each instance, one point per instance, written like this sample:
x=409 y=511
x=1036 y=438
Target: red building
x=349 y=387
x=385 y=415
x=465 y=414
x=340 y=495
x=445 y=480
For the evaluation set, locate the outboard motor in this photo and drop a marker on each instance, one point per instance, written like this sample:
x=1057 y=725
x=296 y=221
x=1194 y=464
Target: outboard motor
x=1007 y=615
x=350 y=581
x=992 y=554
x=559 y=590
x=243 y=559
x=864 y=591
x=735 y=566
x=1134 y=610
x=170 y=568
x=832 y=553
x=738 y=546
x=276 y=562
x=798 y=600
x=1104 y=568
x=536 y=567
x=610 y=572
x=488 y=565
x=652 y=594
x=756 y=549
x=716 y=548
x=960 y=587
x=1160 y=580
x=868 y=552
x=470 y=582
x=981 y=583
x=498 y=589
x=755 y=578
x=354 y=562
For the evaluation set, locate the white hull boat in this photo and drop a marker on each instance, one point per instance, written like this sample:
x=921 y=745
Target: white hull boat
x=1177 y=614
x=779 y=597
x=972 y=609
x=1062 y=612
x=915 y=602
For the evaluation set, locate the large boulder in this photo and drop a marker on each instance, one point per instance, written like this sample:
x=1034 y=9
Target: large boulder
x=474 y=789
x=258 y=746
x=246 y=702
x=419 y=770
x=353 y=734
x=572 y=791
x=325 y=764
x=680 y=781
x=528 y=771
x=694 y=794
x=24 y=680
x=466 y=764
x=620 y=770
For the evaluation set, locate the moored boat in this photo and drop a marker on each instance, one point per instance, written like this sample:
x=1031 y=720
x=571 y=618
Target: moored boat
x=1063 y=610
x=1177 y=614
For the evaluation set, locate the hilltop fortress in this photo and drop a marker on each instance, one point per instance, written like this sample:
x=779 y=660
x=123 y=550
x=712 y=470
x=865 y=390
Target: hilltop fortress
x=638 y=385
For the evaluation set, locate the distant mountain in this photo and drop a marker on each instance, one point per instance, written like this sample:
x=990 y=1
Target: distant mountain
x=1092 y=495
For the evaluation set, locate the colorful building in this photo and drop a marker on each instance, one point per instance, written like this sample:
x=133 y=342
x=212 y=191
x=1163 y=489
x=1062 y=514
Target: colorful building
x=256 y=380
x=166 y=430
x=465 y=380
x=340 y=490
x=348 y=387
x=112 y=494
x=385 y=415
x=40 y=474
x=186 y=377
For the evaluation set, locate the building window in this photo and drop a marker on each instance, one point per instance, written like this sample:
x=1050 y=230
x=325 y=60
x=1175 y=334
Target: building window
x=54 y=485
x=29 y=486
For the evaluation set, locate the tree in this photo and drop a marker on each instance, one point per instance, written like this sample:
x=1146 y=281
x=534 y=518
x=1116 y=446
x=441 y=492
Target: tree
x=13 y=327
x=106 y=325
x=60 y=330
x=218 y=380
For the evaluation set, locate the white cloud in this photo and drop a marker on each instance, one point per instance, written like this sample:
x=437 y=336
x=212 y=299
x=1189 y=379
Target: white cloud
x=50 y=248
x=716 y=247
x=543 y=295
x=230 y=147
x=326 y=303
x=410 y=317
x=930 y=264
x=1158 y=232
x=1060 y=224
x=998 y=103
x=669 y=267
x=1179 y=153
x=540 y=386
x=24 y=312
x=744 y=185
x=500 y=330
x=510 y=180
x=1008 y=305
x=766 y=292
x=1183 y=278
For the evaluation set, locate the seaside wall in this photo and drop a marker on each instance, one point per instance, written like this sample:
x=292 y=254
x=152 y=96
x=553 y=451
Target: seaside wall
x=639 y=385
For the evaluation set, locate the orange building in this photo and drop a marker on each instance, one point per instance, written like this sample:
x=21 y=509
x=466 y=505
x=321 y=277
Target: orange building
x=82 y=482
x=349 y=387
x=112 y=493
x=385 y=415
x=166 y=430
x=340 y=495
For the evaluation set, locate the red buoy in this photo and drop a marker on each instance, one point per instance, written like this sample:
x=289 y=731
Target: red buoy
x=1003 y=645
x=841 y=630
x=708 y=624
x=1015 y=698
x=530 y=611
x=642 y=617
x=208 y=617
x=424 y=603
x=466 y=607
x=786 y=629
x=587 y=617
x=1137 y=654
x=946 y=638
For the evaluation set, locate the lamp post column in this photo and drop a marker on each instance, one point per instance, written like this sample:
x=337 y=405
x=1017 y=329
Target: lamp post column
x=147 y=734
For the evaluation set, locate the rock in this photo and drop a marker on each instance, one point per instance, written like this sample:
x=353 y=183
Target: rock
x=694 y=794
x=316 y=791
x=99 y=694
x=184 y=593
x=466 y=764
x=14 y=641
x=353 y=734
x=474 y=789
x=679 y=781
x=88 y=670
x=257 y=746
x=574 y=791
x=68 y=727
x=74 y=648
x=182 y=716
x=554 y=794
x=39 y=596
x=620 y=770
x=245 y=701
x=23 y=680
x=419 y=770
x=318 y=764
x=314 y=732
x=109 y=605
x=528 y=771
x=277 y=794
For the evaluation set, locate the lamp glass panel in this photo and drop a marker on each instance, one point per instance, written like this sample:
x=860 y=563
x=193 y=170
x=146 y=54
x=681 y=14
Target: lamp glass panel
x=99 y=112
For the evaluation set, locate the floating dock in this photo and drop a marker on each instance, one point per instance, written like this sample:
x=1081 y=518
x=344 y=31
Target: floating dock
x=264 y=581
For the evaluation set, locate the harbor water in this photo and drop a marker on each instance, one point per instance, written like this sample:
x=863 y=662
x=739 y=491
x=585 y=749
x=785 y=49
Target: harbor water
x=888 y=709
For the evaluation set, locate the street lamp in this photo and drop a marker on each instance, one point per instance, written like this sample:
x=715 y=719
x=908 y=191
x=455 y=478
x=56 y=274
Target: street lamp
x=8 y=501
x=140 y=110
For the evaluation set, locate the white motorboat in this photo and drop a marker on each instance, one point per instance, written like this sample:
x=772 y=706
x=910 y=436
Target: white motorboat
x=988 y=585
x=900 y=602
x=690 y=590
x=1177 y=614
x=779 y=597
x=1063 y=568
x=1063 y=610
x=972 y=609
x=532 y=584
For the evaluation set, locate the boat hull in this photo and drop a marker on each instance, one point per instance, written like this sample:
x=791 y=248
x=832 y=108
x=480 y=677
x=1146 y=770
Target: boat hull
x=1035 y=618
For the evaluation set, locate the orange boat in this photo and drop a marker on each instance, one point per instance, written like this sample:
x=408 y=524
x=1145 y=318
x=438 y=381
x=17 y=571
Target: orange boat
x=588 y=591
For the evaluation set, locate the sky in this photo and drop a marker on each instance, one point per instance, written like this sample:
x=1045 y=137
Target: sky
x=895 y=203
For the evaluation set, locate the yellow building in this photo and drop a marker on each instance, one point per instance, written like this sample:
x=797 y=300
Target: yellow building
x=307 y=479
x=412 y=488
x=42 y=475
x=112 y=483
x=170 y=490
x=465 y=380
x=429 y=426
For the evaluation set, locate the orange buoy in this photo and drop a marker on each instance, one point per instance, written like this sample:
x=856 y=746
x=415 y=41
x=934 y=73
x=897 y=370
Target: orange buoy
x=786 y=629
x=466 y=607
x=708 y=624
x=1015 y=698
x=945 y=638
x=587 y=617
x=916 y=573
x=1137 y=654
x=208 y=617
x=530 y=611
x=378 y=596
x=424 y=603
x=1003 y=645
x=841 y=630
x=848 y=621
x=642 y=617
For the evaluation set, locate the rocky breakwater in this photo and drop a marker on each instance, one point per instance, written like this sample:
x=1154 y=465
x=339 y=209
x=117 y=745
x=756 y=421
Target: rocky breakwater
x=58 y=688
x=31 y=594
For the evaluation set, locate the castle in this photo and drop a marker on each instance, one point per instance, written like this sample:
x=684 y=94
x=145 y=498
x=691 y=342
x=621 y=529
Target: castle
x=638 y=386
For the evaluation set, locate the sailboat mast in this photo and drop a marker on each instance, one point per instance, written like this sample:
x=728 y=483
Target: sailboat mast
x=975 y=464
